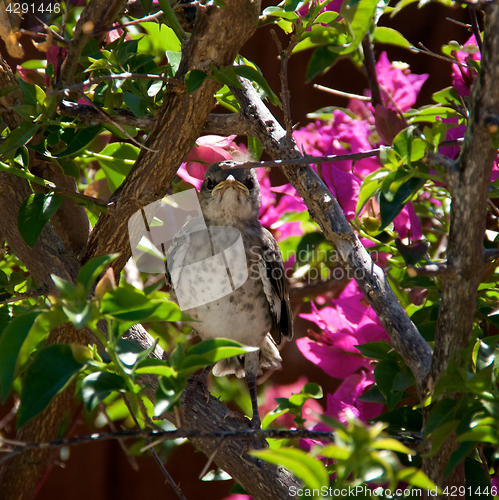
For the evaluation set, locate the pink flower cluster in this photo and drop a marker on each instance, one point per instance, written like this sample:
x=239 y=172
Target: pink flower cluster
x=344 y=323
x=359 y=129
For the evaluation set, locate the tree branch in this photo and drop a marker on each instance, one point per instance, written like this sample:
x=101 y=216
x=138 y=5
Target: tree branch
x=326 y=211
x=467 y=228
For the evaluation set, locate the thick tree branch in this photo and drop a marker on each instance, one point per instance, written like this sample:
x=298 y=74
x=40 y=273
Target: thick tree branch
x=469 y=207
x=97 y=13
x=217 y=36
x=220 y=123
x=467 y=228
x=328 y=214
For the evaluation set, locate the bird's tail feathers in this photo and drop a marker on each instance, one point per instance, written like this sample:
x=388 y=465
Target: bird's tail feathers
x=269 y=355
x=269 y=358
x=229 y=366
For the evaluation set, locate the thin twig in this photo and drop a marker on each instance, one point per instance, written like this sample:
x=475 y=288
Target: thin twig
x=459 y=23
x=44 y=35
x=177 y=84
x=145 y=19
x=50 y=185
x=475 y=28
x=452 y=142
x=23 y=296
x=428 y=52
x=370 y=65
x=210 y=459
x=305 y=160
x=167 y=435
x=11 y=415
x=443 y=269
x=169 y=479
x=341 y=93
x=493 y=208
x=103 y=113
x=56 y=35
x=284 y=56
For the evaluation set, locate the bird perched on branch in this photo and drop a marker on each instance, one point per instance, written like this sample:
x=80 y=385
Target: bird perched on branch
x=227 y=273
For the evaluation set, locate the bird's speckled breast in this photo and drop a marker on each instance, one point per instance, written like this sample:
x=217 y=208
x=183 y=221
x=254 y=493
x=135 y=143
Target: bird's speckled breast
x=242 y=315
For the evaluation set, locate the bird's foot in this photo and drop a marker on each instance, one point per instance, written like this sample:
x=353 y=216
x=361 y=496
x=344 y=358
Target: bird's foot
x=256 y=423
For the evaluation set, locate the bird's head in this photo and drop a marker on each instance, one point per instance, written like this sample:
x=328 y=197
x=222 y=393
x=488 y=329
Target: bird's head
x=230 y=195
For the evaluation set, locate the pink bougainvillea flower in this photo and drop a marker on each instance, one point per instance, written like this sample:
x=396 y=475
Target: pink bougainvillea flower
x=456 y=131
x=344 y=403
x=407 y=223
x=463 y=74
x=349 y=322
x=402 y=85
x=55 y=55
x=343 y=134
x=30 y=76
x=209 y=149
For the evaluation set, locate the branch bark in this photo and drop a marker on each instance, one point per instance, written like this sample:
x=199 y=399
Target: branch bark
x=465 y=251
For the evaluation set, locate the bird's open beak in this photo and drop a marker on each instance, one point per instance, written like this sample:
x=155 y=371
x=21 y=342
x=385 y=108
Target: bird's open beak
x=227 y=183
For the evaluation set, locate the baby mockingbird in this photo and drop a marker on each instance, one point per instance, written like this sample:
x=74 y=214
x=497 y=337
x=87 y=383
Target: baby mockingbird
x=256 y=312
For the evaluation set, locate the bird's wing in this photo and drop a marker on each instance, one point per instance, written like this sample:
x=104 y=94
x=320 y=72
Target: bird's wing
x=276 y=290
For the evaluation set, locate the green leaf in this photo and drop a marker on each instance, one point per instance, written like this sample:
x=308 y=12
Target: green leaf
x=128 y=304
x=156 y=367
x=35 y=211
x=407 y=418
x=390 y=36
x=211 y=351
x=320 y=61
x=19 y=137
x=458 y=456
x=70 y=167
x=138 y=105
x=306 y=248
x=194 y=79
x=29 y=93
x=255 y=76
x=482 y=433
x=66 y=289
x=11 y=341
x=476 y=479
x=97 y=386
x=77 y=141
x=369 y=186
x=385 y=375
x=390 y=209
x=117 y=159
x=130 y=353
x=443 y=411
x=310 y=470
x=360 y=14
x=415 y=477
x=413 y=252
x=378 y=350
x=93 y=268
x=53 y=367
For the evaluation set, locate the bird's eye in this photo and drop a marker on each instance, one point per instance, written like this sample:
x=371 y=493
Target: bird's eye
x=249 y=183
x=210 y=184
